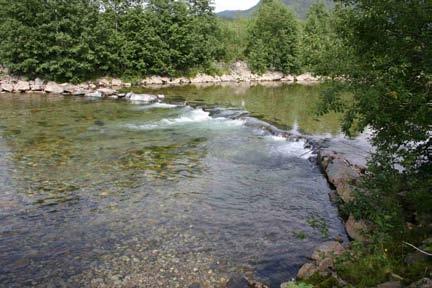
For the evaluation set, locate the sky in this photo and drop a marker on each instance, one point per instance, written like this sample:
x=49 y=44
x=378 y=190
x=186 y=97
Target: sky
x=234 y=4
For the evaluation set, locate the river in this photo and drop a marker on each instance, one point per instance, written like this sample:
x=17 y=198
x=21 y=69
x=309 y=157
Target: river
x=107 y=193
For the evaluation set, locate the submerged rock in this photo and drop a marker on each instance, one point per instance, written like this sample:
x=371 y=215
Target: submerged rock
x=95 y=94
x=227 y=113
x=147 y=98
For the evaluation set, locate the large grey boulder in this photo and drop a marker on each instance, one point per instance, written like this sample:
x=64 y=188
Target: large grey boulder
x=52 y=87
x=37 y=85
x=22 y=86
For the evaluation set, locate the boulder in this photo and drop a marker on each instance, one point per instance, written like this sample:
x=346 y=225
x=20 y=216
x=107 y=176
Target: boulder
x=80 y=92
x=68 y=88
x=22 y=86
x=7 y=87
x=339 y=171
x=116 y=83
x=161 y=96
x=103 y=82
x=95 y=94
x=52 y=87
x=345 y=192
x=37 y=85
x=155 y=80
x=203 y=78
x=147 y=98
x=107 y=91
x=307 y=78
x=356 y=229
x=307 y=270
x=228 y=78
x=127 y=85
x=271 y=76
x=288 y=78
x=327 y=249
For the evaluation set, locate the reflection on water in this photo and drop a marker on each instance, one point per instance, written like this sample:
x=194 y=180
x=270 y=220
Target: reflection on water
x=288 y=106
x=105 y=193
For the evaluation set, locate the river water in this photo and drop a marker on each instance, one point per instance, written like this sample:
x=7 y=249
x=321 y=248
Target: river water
x=106 y=193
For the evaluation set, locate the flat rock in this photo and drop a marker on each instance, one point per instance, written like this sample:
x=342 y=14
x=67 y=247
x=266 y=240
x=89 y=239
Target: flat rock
x=52 y=87
x=106 y=91
x=7 y=87
x=22 y=86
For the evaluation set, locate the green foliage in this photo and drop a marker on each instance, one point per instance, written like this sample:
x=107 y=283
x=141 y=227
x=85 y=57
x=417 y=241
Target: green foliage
x=319 y=281
x=296 y=285
x=273 y=39
x=360 y=261
x=79 y=39
x=320 y=43
x=389 y=75
x=234 y=35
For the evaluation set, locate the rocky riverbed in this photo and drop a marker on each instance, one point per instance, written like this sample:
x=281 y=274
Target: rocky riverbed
x=343 y=162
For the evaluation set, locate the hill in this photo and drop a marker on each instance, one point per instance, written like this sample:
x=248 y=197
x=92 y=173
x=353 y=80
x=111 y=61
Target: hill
x=300 y=7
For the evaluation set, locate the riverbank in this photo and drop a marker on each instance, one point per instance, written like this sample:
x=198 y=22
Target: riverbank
x=105 y=87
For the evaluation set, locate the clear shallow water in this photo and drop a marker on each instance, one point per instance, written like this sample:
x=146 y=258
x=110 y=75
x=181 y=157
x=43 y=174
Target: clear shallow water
x=108 y=193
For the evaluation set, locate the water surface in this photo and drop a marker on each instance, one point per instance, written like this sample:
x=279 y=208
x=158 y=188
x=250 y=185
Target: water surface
x=99 y=193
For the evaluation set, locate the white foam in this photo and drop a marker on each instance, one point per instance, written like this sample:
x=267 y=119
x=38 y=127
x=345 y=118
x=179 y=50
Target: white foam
x=294 y=148
x=194 y=116
x=190 y=116
x=276 y=138
x=157 y=106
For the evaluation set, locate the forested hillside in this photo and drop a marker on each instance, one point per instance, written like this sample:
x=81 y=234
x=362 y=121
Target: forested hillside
x=300 y=7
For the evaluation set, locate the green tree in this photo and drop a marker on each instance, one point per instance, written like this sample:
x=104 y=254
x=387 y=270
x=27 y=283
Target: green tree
x=390 y=75
x=273 y=39
x=41 y=38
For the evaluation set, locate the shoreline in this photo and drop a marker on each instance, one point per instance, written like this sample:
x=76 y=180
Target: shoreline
x=107 y=86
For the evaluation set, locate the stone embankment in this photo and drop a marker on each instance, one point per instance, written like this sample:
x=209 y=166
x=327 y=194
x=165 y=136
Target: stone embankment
x=106 y=87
